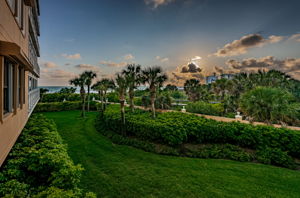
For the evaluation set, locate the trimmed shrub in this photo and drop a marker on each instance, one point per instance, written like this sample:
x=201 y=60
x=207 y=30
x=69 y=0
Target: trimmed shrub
x=205 y=108
x=175 y=128
x=63 y=106
x=276 y=157
x=60 y=97
x=39 y=165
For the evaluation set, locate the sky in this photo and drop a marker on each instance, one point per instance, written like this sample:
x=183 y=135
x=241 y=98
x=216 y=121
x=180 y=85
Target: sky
x=187 y=38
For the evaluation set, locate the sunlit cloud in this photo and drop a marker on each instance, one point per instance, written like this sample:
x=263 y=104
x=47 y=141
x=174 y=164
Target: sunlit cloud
x=49 y=65
x=245 y=43
x=72 y=56
x=295 y=37
x=156 y=3
x=113 y=64
x=87 y=67
x=288 y=65
x=162 y=59
x=128 y=57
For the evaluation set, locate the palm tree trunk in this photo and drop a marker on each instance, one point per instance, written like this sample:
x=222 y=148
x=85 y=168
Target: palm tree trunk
x=82 y=92
x=122 y=102
x=152 y=98
x=104 y=97
x=131 y=99
x=88 y=99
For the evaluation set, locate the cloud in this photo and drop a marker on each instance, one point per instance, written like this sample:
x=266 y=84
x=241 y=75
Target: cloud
x=288 y=65
x=87 y=67
x=72 y=56
x=113 y=64
x=128 y=57
x=295 y=37
x=161 y=59
x=156 y=3
x=191 y=68
x=57 y=74
x=49 y=65
x=196 y=58
x=219 y=70
x=242 y=45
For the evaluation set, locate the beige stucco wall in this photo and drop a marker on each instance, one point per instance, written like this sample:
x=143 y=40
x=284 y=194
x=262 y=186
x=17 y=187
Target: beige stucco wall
x=9 y=28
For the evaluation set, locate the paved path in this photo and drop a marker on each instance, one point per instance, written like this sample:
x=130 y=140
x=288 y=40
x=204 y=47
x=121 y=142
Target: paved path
x=218 y=118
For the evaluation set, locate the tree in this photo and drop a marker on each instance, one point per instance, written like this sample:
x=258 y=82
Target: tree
x=121 y=88
x=102 y=87
x=67 y=90
x=170 y=87
x=89 y=75
x=154 y=77
x=43 y=91
x=191 y=88
x=80 y=82
x=270 y=105
x=133 y=76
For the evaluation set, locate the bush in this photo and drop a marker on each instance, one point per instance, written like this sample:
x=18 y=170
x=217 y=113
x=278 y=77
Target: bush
x=39 y=165
x=276 y=157
x=205 y=108
x=175 y=128
x=271 y=105
x=63 y=106
x=60 y=97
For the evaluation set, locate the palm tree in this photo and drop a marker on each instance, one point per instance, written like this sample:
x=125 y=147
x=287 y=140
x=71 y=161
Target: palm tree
x=191 y=88
x=80 y=82
x=121 y=88
x=102 y=87
x=90 y=75
x=154 y=77
x=133 y=77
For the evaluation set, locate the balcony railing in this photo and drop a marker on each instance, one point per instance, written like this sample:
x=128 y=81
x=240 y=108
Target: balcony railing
x=33 y=99
x=33 y=57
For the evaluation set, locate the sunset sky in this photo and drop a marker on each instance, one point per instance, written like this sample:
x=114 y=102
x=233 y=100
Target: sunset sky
x=228 y=35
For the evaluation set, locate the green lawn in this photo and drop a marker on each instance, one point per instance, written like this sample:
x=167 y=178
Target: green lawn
x=121 y=171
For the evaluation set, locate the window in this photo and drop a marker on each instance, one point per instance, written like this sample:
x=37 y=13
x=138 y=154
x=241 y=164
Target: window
x=12 y=5
x=8 y=86
x=20 y=86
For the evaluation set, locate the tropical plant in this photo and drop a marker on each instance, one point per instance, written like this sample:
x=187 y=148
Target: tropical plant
x=43 y=91
x=170 y=87
x=191 y=88
x=121 y=88
x=80 y=82
x=89 y=75
x=102 y=87
x=154 y=78
x=133 y=78
x=67 y=90
x=270 y=105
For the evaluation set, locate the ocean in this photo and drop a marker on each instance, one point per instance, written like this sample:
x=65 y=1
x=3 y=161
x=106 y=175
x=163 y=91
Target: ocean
x=55 y=89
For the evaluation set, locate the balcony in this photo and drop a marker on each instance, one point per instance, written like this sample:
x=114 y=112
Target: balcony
x=33 y=99
x=33 y=57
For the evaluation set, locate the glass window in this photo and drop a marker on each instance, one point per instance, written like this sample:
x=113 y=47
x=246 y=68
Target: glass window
x=8 y=86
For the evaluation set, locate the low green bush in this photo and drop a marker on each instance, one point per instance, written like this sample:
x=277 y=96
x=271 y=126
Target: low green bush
x=205 y=108
x=63 y=106
x=39 y=165
x=176 y=128
x=276 y=157
x=226 y=151
x=60 y=97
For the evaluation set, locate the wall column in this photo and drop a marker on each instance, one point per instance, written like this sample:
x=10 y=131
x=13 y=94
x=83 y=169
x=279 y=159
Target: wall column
x=1 y=86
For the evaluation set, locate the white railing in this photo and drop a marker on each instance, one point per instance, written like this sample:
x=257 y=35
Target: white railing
x=33 y=99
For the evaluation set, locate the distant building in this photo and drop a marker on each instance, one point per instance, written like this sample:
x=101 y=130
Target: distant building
x=211 y=79
x=19 y=69
x=227 y=76
x=214 y=78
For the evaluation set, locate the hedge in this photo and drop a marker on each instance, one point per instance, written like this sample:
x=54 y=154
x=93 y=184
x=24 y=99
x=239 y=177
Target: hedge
x=176 y=128
x=39 y=165
x=205 y=108
x=63 y=106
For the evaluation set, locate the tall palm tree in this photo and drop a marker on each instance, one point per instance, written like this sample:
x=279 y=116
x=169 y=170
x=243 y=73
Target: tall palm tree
x=121 y=88
x=133 y=76
x=102 y=87
x=90 y=75
x=154 y=77
x=80 y=82
x=191 y=88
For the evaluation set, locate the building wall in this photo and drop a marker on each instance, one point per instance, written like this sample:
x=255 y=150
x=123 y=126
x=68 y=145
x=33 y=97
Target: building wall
x=11 y=124
x=9 y=28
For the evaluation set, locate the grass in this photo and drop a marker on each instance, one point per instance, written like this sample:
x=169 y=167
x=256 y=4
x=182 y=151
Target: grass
x=122 y=171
